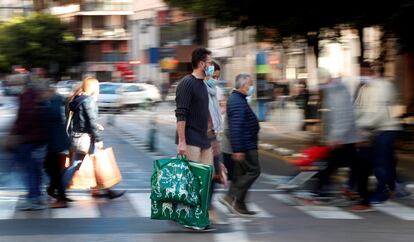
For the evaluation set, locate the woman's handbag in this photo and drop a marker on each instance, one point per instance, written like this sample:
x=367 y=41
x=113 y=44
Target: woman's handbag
x=80 y=142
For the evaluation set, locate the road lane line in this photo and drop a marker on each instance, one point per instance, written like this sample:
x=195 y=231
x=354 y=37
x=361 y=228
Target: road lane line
x=141 y=202
x=7 y=208
x=82 y=207
x=238 y=232
x=396 y=210
x=320 y=212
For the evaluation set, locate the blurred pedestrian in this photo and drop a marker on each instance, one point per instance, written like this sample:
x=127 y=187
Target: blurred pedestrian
x=192 y=112
x=339 y=128
x=58 y=142
x=215 y=126
x=30 y=127
x=302 y=100
x=85 y=131
x=243 y=136
x=373 y=104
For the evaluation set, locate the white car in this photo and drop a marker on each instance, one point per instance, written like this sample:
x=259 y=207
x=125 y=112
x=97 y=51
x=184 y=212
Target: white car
x=121 y=96
x=66 y=88
x=151 y=93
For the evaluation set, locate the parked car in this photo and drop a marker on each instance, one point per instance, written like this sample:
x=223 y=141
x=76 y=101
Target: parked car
x=122 y=96
x=151 y=93
x=66 y=88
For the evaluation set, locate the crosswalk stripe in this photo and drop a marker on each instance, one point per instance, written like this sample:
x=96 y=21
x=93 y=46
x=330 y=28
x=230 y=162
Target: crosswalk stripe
x=7 y=208
x=87 y=207
x=320 y=212
x=397 y=210
x=83 y=207
x=141 y=202
x=238 y=233
x=261 y=213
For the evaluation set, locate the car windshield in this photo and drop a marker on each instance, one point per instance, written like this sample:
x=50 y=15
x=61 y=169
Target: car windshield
x=108 y=89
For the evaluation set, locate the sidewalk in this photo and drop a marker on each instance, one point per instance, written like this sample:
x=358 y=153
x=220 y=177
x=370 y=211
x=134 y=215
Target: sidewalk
x=281 y=135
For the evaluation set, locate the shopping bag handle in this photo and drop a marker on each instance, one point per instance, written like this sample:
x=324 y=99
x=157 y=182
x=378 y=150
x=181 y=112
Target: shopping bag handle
x=182 y=157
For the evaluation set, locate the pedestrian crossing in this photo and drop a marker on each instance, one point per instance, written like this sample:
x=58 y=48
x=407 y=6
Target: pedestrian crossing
x=137 y=204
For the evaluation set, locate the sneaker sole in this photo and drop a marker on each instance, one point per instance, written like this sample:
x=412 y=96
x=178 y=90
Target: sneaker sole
x=363 y=211
x=234 y=211
x=227 y=205
x=244 y=215
x=201 y=230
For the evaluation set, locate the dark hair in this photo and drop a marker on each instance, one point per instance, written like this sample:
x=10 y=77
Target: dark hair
x=366 y=64
x=216 y=66
x=199 y=54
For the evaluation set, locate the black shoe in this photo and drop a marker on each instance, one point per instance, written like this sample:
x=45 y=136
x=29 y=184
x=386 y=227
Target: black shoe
x=66 y=199
x=111 y=194
x=242 y=210
x=59 y=204
x=51 y=192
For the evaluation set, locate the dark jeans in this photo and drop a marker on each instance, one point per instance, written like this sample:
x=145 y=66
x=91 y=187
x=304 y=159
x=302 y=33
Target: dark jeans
x=54 y=171
x=342 y=156
x=32 y=156
x=246 y=172
x=76 y=162
x=384 y=161
x=362 y=170
x=229 y=164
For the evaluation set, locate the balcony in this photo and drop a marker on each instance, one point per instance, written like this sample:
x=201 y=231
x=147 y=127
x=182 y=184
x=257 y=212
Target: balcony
x=102 y=8
x=108 y=33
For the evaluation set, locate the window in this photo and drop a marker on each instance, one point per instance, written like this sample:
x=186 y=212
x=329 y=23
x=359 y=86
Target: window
x=108 y=89
x=133 y=88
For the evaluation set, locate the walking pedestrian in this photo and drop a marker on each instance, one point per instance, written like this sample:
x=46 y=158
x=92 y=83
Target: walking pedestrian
x=31 y=129
x=373 y=105
x=192 y=112
x=85 y=129
x=58 y=142
x=243 y=136
x=214 y=128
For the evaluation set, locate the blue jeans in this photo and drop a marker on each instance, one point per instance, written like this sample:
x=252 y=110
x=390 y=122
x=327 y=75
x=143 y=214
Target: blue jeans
x=76 y=162
x=67 y=176
x=384 y=162
x=32 y=156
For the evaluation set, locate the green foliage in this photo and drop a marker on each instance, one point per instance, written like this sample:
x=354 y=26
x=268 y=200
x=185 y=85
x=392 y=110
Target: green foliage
x=35 y=41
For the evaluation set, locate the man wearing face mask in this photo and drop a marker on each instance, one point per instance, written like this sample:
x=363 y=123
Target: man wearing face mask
x=242 y=131
x=192 y=110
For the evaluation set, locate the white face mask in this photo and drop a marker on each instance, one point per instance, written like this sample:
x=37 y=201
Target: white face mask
x=209 y=71
x=250 y=91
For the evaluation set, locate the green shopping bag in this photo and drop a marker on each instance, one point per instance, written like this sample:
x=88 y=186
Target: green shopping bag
x=180 y=212
x=173 y=181
x=198 y=216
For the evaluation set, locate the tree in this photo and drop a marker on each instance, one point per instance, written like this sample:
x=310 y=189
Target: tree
x=301 y=19
x=38 y=40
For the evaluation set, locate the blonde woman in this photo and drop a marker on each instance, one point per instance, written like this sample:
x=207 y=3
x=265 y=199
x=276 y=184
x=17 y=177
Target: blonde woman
x=84 y=130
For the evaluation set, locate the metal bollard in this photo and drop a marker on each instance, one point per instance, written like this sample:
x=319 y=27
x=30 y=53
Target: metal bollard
x=152 y=135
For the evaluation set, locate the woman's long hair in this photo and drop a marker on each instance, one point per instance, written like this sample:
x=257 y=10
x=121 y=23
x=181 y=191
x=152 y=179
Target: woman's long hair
x=89 y=86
